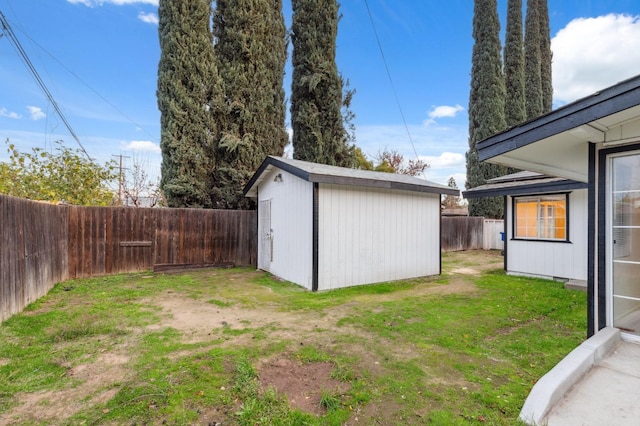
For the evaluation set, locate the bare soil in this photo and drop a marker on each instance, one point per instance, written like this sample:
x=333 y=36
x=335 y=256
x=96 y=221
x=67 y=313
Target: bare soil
x=98 y=379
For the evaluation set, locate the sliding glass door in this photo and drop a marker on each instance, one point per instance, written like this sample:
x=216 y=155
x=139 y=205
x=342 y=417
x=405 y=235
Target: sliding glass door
x=624 y=243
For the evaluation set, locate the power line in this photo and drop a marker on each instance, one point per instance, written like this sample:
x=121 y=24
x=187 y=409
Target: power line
x=25 y=58
x=393 y=89
x=87 y=85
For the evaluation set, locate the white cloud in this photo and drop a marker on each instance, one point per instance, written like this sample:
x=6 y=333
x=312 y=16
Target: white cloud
x=445 y=160
x=92 y=3
x=444 y=165
x=442 y=111
x=429 y=142
x=590 y=54
x=35 y=113
x=149 y=18
x=9 y=114
x=140 y=146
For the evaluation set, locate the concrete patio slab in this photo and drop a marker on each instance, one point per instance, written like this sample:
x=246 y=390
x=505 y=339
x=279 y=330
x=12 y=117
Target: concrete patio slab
x=598 y=383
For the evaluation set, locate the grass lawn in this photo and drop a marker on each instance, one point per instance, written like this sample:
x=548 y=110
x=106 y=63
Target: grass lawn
x=238 y=347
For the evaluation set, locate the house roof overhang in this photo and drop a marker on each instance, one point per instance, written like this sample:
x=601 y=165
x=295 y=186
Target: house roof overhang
x=542 y=185
x=556 y=143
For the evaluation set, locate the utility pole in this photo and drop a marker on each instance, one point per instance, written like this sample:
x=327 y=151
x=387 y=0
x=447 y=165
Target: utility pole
x=120 y=176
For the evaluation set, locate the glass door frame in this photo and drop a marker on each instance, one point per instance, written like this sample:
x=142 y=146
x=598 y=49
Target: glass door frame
x=610 y=213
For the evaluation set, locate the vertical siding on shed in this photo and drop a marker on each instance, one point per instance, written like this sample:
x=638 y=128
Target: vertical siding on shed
x=369 y=235
x=291 y=222
x=552 y=259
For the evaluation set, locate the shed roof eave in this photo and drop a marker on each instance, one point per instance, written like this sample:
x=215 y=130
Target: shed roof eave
x=319 y=173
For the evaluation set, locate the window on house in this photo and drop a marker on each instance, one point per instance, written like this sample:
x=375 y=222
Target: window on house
x=541 y=218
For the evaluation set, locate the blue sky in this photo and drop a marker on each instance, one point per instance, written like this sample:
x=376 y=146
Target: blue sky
x=99 y=60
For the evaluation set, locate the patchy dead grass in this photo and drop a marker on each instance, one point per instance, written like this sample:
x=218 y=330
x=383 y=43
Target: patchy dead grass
x=386 y=356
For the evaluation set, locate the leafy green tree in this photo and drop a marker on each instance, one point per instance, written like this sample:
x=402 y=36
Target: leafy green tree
x=319 y=133
x=62 y=175
x=251 y=51
x=189 y=94
x=486 y=103
x=546 y=57
x=533 y=78
x=362 y=162
x=515 y=112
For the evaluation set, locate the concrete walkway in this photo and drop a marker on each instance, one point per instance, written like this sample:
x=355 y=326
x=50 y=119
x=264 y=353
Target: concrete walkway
x=598 y=383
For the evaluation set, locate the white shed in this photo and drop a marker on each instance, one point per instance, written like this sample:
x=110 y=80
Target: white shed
x=545 y=224
x=325 y=227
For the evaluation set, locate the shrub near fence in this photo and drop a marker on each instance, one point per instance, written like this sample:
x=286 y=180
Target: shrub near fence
x=42 y=244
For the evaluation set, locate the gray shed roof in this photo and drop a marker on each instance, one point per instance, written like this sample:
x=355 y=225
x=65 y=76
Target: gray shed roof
x=522 y=183
x=322 y=173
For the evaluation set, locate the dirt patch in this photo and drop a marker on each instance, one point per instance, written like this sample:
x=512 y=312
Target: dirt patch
x=95 y=380
x=198 y=320
x=94 y=385
x=302 y=383
x=473 y=262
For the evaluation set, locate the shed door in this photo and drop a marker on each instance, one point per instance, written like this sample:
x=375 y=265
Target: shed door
x=624 y=305
x=265 y=237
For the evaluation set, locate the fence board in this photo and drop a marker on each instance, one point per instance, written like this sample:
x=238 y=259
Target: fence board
x=461 y=233
x=492 y=239
x=471 y=233
x=33 y=251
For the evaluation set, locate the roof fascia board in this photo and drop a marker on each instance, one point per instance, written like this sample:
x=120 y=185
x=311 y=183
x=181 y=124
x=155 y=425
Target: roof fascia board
x=272 y=161
x=602 y=104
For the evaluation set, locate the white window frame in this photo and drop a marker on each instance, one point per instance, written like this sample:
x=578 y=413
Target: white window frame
x=540 y=229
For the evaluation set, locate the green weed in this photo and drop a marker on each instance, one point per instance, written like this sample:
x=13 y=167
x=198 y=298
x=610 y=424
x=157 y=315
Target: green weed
x=409 y=355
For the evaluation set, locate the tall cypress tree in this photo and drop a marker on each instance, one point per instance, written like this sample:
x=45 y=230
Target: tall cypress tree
x=533 y=78
x=319 y=133
x=486 y=103
x=546 y=57
x=251 y=51
x=515 y=112
x=188 y=91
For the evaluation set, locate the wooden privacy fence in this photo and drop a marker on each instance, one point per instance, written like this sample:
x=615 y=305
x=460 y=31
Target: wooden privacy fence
x=471 y=233
x=33 y=251
x=42 y=244
x=112 y=240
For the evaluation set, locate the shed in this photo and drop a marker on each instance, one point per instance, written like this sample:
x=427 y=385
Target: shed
x=545 y=224
x=326 y=227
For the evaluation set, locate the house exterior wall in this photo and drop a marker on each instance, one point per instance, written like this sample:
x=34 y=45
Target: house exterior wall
x=369 y=235
x=552 y=259
x=291 y=222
